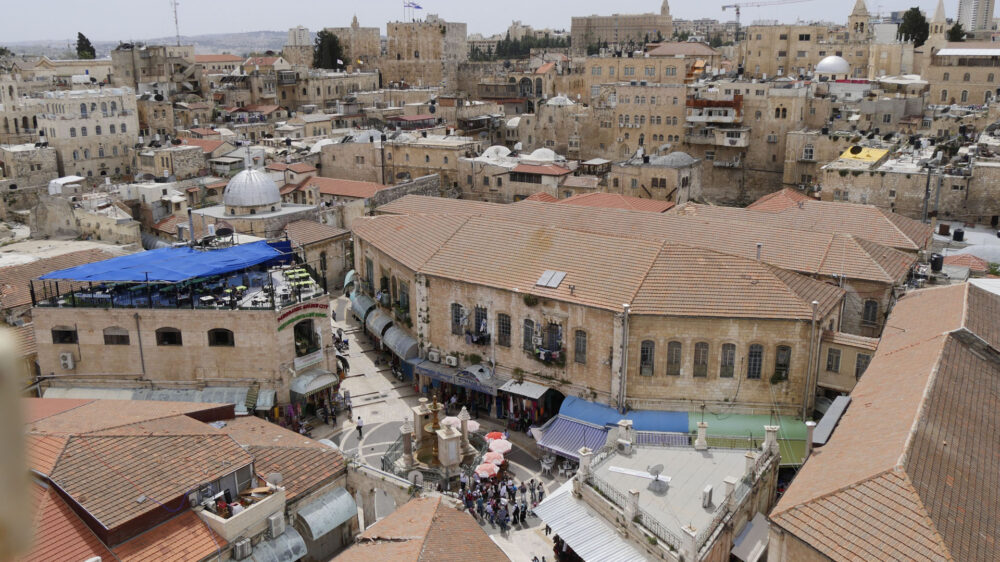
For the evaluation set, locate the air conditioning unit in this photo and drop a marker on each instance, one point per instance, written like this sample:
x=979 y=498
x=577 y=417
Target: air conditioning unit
x=67 y=361
x=276 y=524
x=242 y=549
x=451 y=361
x=434 y=356
x=706 y=497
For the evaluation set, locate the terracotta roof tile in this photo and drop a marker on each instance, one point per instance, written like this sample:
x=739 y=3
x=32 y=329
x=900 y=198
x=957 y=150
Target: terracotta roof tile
x=851 y=340
x=105 y=474
x=976 y=264
x=251 y=430
x=303 y=469
x=37 y=409
x=616 y=201
x=67 y=416
x=421 y=205
x=15 y=280
x=345 y=188
x=59 y=533
x=43 y=451
x=25 y=338
x=305 y=232
x=217 y=58
x=779 y=200
x=541 y=196
x=411 y=240
x=185 y=537
x=208 y=146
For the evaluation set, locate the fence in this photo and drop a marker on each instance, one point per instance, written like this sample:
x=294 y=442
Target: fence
x=658 y=530
x=608 y=491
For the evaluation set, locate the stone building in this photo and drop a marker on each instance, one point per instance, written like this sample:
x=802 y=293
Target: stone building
x=156 y=116
x=674 y=177
x=362 y=45
x=621 y=29
x=298 y=48
x=162 y=69
x=424 y=52
x=26 y=166
x=219 y=63
x=93 y=131
x=497 y=175
x=179 y=162
x=321 y=88
x=630 y=116
x=251 y=204
x=326 y=246
x=60 y=73
x=963 y=73
x=397 y=160
x=667 y=63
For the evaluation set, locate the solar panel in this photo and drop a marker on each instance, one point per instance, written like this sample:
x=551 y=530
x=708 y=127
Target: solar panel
x=551 y=278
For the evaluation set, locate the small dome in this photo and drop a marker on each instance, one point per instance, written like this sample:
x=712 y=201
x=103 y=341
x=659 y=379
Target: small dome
x=251 y=188
x=675 y=159
x=559 y=101
x=543 y=154
x=833 y=65
x=496 y=152
x=513 y=122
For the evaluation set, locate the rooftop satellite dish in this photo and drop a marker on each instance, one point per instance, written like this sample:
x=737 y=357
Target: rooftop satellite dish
x=856 y=150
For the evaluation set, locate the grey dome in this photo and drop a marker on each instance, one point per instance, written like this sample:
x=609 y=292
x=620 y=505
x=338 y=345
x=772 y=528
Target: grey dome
x=833 y=65
x=251 y=188
x=673 y=160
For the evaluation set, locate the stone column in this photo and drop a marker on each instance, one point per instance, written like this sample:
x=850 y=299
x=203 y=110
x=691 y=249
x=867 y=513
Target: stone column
x=631 y=505
x=771 y=438
x=701 y=443
x=689 y=544
x=406 y=432
x=751 y=463
x=586 y=456
x=368 y=506
x=463 y=416
x=730 y=483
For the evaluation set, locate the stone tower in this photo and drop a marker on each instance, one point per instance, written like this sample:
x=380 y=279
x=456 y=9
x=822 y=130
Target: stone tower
x=858 y=21
x=665 y=8
x=939 y=24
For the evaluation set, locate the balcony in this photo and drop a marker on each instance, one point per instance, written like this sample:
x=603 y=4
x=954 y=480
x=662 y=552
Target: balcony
x=253 y=518
x=731 y=137
x=714 y=115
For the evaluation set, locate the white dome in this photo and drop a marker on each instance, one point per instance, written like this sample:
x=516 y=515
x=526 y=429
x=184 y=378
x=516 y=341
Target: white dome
x=559 y=101
x=833 y=65
x=543 y=154
x=496 y=152
x=251 y=188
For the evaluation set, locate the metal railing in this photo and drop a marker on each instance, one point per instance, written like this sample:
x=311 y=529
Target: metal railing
x=608 y=491
x=659 y=531
x=391 y=455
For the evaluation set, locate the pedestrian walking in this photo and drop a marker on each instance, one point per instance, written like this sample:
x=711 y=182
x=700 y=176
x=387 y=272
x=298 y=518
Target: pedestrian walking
x=541 y=492
x=547 y=529
x=463 y=481
x=515 y=512
x=531 y=488
x=360 y=424
x=347 y=402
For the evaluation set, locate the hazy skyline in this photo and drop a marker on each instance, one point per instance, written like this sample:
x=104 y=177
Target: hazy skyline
x=114 y=20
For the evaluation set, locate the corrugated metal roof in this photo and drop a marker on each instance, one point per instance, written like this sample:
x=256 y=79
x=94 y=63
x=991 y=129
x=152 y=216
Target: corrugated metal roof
x=327 y=512
x=526 y=389
x=286 y=547
x=361 y=304
x=213 y=394
x=401 y=343
x=377 y=322
x=312 y=381
x=566 y=436
x=265 y=399
x=583 y=529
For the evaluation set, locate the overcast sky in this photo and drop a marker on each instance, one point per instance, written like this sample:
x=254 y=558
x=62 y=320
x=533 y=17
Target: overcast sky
x=112 y=20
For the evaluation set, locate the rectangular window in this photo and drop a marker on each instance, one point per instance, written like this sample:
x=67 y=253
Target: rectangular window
x=168 y=336
x=404 y=295
x=456 y=319
x=64 y=335
x=528 y=336
x=674 y=358
x=803 y=37
x=701 y=359
x=595 y=71
x=833 y=361
x=481 y=326
x=370 y=272
x=580 y=347
x=861 y=364
x=116 y=336
x=221 y=338
x=782 y=362
x=503 y=330
x=727 y=360
x=650 y=71
x=646 y=353
x=755 y=359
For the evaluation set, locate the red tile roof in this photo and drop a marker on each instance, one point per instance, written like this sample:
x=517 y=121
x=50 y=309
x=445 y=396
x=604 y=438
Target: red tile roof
x=59 y=533
x=909 y=473
x=302 y=168
x=303 y=232
x=345 y=188
x=185 y=537
x=208 y=146
x=43 y=451
x=66 y=416
x=541 y=196
x=303 y=469
x=15 y=280
x=616 y=201
x=37 y=409
x=780 y=200
x=545 y=68
x=217 y=58
x=424 y=529
x=25 y=338
x=260 y=108
x=976 y=264
x=546 y=170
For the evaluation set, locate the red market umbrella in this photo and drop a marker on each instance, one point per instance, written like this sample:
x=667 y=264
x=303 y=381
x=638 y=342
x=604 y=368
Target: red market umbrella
x=501 y=445
x=494 y=435
x=487 y=469
x=493 y=457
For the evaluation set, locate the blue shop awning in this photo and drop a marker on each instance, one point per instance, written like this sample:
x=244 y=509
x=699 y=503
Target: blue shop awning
x=642 y=420
x=172 y=265
x=377 y=322
x=476 y=377
x=361 y=304
x=400 y=343
x=327 y=513
x=286 y=547
x=349 y=278
x=565 y=436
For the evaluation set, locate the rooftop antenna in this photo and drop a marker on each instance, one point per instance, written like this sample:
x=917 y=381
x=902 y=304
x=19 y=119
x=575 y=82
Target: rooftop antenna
x=177 y=26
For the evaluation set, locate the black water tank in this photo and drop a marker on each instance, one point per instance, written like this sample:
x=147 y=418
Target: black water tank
x=958 y=235
x=937 y=262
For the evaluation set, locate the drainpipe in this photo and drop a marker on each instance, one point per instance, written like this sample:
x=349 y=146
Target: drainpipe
x=138 y=333
x=622 y=376
x=813 y=352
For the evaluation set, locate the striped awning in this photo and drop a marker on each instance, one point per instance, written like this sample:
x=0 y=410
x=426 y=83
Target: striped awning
x=566 y=436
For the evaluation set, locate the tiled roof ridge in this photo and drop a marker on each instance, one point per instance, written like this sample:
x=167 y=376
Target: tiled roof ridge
x=777 y=514
x=780 y=273
x=103 y=430
x=864 y=243
x=889 y=218
x=33 y=422
x=465 y=220
x=826 y=253
x=645 y=274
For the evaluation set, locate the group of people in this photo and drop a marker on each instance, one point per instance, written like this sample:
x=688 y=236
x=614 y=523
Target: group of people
x=499 y=501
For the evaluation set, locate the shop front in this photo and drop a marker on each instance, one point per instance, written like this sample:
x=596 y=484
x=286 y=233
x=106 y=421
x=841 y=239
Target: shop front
x=527 y=404
x=474 y=386
x=313 y=390
x=376 y=324
x=403 y=348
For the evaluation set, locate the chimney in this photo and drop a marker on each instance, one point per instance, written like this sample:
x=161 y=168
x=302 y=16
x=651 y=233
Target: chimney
x=750 y=459
x=810 y=429
x=701 y=443
x=760 y=246
x=191 y=225
x=586 y=456
x=689 y=542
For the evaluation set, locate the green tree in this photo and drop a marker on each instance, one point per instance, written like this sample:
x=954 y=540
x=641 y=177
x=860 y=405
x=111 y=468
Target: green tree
x=327 y=51
x=84 y=50
x=956 y=33
x=5 y=52
x=715 y=41
x=914 y=27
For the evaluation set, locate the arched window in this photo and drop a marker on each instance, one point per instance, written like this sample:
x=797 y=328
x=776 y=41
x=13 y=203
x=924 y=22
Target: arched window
x=757 y=115
x=114 y=151
x=990 y=77
x=647 y=355
x=727 y=360
x=674 y=349
x=456 y=319
x=104 y=108
x=966 y=77
x=116 y=335
x=777 y=113
x=755 y=359
x=553 y=336
x=76 y=155
x=86 y=154
x=221 y=337
x=782 y=362
x=965 y=96
x=944 y=95
x=168 y=337
x=870 y=314
x=123 y=127
x=83 y=110
x=100 y=152
x=114 y=107
x=701 y=359
x=946 y=77
x=306 y=339
x=72 y=131
x=528 y=336
x=784 y=112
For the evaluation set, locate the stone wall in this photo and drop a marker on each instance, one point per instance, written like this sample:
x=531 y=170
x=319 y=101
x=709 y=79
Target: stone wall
x=425 y=185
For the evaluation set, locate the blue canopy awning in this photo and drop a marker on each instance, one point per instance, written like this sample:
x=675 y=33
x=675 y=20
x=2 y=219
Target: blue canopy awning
x=171 y=265
x=565 y=436
x=642 y=420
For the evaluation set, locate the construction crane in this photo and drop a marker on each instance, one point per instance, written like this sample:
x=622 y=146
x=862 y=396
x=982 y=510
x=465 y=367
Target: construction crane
x=177 y=26
x=736 y=8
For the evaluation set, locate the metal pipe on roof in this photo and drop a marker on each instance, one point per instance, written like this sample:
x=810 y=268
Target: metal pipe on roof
x=623 y=376
x=138 y=332
x=812 y=353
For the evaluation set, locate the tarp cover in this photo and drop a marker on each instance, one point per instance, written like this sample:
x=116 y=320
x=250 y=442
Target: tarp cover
x=286 y=547
x=327 y=512
x=642 y=420
x=401 y=343
x=171 y=264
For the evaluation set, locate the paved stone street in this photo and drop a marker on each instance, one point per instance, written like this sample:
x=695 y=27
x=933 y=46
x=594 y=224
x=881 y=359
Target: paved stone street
x=384 y=403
